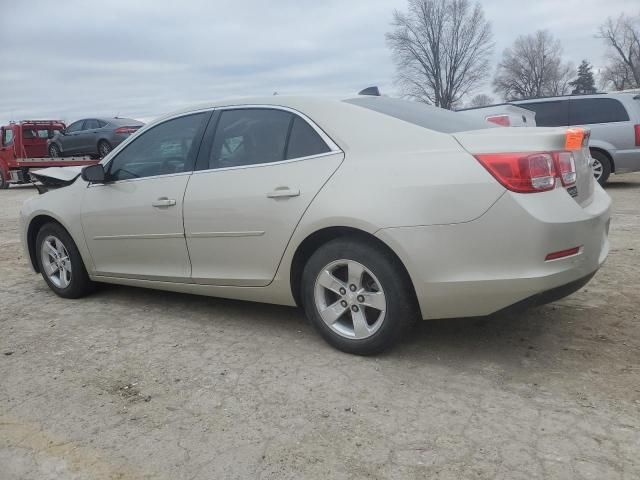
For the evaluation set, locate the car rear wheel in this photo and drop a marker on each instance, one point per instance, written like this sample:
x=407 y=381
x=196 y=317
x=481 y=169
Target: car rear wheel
x=104 y=148
x=54 y=150
x=60 y=263
x=601 y=166
x=357 y=296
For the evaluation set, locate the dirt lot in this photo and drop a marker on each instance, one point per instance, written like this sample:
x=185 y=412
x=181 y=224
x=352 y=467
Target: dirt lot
x=132 y=383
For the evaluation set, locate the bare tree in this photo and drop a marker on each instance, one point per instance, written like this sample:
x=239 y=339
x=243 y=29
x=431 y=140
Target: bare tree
x=623 y=38
x=481 y=100
x=441 y=49
x=617 y=75
x=533 y=67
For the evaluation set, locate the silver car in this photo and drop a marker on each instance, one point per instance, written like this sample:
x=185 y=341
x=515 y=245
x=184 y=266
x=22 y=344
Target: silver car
x=369 y=212
x=614 y=121
x=92 y=136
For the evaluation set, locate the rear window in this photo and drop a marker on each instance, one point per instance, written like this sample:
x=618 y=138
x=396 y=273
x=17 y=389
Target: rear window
x=549 y=114
x=421 y=114
x=596 y=110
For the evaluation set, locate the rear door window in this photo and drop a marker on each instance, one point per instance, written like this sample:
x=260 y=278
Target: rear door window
x=249 y=136
x=585 y=111
x=549 y=114
x=101 y=123
x=91 y=124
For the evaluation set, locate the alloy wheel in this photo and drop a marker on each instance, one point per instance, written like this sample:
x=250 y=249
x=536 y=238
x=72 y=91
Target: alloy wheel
x=56 y=262
x=105 y=148
x=350 y=299
x=597 y=168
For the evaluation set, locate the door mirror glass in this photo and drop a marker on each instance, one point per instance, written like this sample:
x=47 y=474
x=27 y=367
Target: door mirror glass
x=93 y=173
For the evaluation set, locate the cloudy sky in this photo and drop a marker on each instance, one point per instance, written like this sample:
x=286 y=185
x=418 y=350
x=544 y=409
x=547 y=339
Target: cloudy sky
x=141 y=58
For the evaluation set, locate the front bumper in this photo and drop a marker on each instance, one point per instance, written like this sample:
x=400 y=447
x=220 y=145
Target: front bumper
x=483 y=266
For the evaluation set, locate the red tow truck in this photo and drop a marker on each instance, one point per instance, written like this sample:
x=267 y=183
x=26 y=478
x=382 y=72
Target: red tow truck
x=23 y=146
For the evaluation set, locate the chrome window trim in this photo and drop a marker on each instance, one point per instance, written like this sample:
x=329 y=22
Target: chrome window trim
x=256 y=165
x=128 y=180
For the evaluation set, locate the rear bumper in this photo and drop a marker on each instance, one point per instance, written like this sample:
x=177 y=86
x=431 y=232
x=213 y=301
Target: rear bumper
x=549 y=296
x=498 y=260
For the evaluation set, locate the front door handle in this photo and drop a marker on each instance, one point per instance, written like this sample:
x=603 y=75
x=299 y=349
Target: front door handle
x=164 y=202
x=283 y=192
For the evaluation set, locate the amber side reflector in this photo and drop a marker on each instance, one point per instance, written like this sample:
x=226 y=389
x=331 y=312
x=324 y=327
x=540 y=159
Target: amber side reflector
x=574 y=139
x=562 y=254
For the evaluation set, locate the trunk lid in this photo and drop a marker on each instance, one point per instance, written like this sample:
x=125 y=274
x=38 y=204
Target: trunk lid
x=525 y=140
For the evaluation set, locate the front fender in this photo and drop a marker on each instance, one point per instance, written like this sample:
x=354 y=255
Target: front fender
x=63 y=206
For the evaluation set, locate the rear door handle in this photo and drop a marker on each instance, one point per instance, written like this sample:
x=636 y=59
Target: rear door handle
x=164 y=202
x=283 y=192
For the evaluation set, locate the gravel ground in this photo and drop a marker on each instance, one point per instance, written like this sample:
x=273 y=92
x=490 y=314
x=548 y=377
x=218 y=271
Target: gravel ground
x=130 y=383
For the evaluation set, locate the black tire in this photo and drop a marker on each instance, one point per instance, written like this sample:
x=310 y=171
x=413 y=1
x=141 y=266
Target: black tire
x=401 y=304
x=54 y=151
x=606 y=166
x=80 y=283
x=104 y=148
x=4 y=182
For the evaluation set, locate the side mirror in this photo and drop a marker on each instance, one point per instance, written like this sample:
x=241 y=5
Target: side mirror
x=93 y=173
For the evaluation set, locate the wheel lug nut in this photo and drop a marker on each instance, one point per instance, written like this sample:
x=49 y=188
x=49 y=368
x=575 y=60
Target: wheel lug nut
x=360 y=298
x=355 y=308
x=342 y=291
x=344 y=303
x=352 y=287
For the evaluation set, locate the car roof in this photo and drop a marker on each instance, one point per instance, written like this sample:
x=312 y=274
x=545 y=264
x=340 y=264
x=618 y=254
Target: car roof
x=577 y=97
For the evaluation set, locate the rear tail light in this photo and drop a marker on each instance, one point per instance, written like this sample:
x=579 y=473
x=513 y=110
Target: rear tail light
x=502 y=120
x=566 y=166
x=637 y=129
x=521 y=172
x=123 y=130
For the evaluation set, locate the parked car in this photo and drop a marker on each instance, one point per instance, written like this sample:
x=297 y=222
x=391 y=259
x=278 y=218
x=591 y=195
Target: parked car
x=504 y=115
x=369 y=212
x=614 y=121
x=92 y=136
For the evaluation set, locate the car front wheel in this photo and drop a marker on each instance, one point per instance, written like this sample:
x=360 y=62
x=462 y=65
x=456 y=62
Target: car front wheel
x=357 y=296
x=60 y=263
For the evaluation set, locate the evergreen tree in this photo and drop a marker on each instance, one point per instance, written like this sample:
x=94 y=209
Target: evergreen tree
x=584 y=83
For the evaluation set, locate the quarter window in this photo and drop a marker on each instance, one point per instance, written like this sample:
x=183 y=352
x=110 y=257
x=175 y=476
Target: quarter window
x=304 y=141
x=549 y=114
x=596 y=110
x=165 y=149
